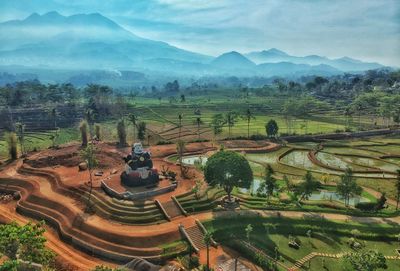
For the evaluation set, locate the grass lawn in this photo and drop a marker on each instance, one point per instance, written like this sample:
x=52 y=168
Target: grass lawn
x=326 y=236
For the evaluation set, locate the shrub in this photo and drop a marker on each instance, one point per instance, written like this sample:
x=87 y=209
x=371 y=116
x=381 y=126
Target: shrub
x=366 y=206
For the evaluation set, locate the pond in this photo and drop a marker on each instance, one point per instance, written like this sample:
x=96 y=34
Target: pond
x=333 y=196
x=299 y=158
x=253 y=188
x=372 y=163
x=195 y=159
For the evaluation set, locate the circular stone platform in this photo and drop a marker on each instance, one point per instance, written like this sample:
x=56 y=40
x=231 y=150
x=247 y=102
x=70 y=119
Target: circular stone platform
x=114 y=188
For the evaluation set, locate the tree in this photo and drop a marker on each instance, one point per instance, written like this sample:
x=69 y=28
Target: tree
x=207 y=240
x=183 y=99
x=53 y=137
x=398 y=189
x=90 y=115
x=83 y=128
x=369 y=260
x=198 y=123
x=180 y=117
x=121 y=132
x=308 y=186
x=217 y=123
x=230 y=119
x=24 y=243
x=271 y=128
x=248 y=230
x=228 y=169
x=89 y=156
x=288 y=183
x=11 y=139
x=53 y=114
x=20 y=129
x=180 y=150
x=141 y=130
x=269 y=184
x=133 y=119
x=348 y=187
x=248 y=116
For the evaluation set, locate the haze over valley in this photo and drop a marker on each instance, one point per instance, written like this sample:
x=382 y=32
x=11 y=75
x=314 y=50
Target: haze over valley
x=89 y=48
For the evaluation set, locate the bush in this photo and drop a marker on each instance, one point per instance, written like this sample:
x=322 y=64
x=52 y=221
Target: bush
x=366 y=206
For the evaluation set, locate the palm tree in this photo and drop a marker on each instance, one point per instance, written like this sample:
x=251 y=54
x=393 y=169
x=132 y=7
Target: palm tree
x=248 y=116
x=90 y=118
x=198 y=123
x=230 y=119
x=20 y=129
x=207 y=240
x=398 y=189
x=88 y=154
x=217 y=122
x=180 y=149
x=133 y=119
x=53 y=114
x=180 y=117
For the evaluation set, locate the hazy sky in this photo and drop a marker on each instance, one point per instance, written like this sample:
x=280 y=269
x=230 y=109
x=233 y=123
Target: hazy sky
x=363 y=29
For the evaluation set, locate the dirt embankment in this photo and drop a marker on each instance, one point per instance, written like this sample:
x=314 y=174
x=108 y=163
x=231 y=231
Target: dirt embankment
x=70 y=156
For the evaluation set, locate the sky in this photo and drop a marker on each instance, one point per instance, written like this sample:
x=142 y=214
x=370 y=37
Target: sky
x=364 y=29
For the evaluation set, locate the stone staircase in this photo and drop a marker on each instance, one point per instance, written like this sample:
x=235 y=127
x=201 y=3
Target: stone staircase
x=171 y=209
x=197 y=236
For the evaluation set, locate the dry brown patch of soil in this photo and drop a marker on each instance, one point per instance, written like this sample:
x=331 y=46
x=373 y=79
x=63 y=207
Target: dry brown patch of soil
x=69 y=156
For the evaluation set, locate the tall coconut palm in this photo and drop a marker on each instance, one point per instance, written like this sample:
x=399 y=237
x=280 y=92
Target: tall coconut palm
x=398 y=189
x=134 y=120
x=180 y=117
x=180 y=150
x=198 y=123
x=248 y=116
x=89 y=156
x=230 y=119
x=20 y=129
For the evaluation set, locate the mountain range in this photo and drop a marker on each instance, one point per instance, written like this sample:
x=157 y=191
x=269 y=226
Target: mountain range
x=92 y=41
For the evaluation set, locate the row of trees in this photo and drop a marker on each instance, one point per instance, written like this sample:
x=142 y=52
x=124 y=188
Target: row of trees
x=230 y=118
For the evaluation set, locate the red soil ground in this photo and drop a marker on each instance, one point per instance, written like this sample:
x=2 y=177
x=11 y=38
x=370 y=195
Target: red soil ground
x=64 y=162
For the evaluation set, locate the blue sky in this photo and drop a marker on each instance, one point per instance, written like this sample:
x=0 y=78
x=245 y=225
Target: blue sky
x=363 y=29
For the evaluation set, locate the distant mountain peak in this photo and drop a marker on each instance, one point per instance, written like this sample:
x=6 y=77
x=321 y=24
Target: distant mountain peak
x=33 y=15
x=274 y=51
x=52 y=14
x=233 y=59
